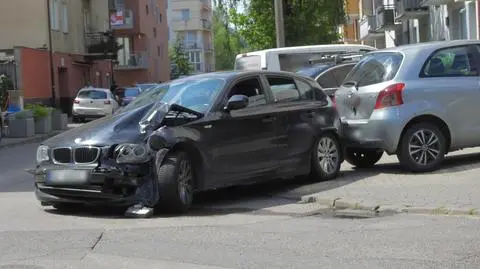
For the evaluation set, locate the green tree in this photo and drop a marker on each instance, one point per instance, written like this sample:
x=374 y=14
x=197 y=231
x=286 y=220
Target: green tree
x=227 y=42
x=179 y=59
x=307 y=22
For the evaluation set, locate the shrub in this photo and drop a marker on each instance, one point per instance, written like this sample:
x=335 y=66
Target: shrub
x=39 y=111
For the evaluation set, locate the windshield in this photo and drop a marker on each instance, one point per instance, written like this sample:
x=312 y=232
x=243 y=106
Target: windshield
x=131 y=92
x=146 y=86
x=314 y=71
x=375 y=68
x=197 y=94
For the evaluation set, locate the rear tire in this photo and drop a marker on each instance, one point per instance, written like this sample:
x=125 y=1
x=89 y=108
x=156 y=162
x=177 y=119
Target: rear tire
x=327 y=157
x=422 y=148
x=176 y=182
x=363 y=158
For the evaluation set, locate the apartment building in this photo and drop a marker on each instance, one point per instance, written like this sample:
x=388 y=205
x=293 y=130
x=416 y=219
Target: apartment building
x=191 y=20
x=387 y=23
x=28 y=33
x=349 y=30
x=140 y=27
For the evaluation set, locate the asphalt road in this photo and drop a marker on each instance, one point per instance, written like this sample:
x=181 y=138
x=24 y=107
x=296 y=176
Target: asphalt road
x=249 y=227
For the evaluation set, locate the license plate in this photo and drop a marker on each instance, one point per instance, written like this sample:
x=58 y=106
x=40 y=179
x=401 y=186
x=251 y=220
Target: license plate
x=67 y=177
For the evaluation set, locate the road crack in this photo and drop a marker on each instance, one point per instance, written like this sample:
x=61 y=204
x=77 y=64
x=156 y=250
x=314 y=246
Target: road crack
x=97 y=240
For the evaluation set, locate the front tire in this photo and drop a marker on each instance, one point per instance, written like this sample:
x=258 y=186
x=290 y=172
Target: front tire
x=176 y=182
x=363 y=158
x=327 y=157
x=422 y=148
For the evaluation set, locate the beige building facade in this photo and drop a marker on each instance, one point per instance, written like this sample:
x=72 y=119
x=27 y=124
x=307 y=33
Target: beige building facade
x=191 y=20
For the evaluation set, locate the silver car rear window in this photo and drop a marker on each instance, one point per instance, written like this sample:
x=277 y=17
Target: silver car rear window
x=92 y=94
x=375 y=68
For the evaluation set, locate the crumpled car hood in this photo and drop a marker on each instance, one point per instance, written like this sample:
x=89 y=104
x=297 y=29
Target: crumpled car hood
x=110 y=130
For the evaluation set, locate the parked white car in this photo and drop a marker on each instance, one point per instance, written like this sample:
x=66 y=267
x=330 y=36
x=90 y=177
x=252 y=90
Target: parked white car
x=93 y=103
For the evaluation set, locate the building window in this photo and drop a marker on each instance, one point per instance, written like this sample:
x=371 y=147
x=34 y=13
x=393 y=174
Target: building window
x=65 y=18
x=194 y=59
x=146 y=9
x=158 y=51
x=159 y=18
x=168 y=33
x=125 y=52
x=185 y=14
x=161 y=51
x=190 y=40
x=54 y=15
x=154 y=32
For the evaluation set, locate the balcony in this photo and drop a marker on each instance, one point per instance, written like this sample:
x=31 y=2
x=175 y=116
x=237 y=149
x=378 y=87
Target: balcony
x=437 y=2
x=206 y=4
x=206 y=24
x=100 y=46
x=192 y=46
x=368 y=26
x=385 y=19
x=122 y=19
x=410 y=9
x=133 y=61
x=191 y=25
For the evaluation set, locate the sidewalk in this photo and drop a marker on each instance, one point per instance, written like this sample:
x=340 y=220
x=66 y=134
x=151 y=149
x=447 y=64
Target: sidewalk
x=451 y=190
x=11 y=142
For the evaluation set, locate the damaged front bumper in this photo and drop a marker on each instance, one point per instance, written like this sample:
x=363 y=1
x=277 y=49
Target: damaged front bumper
x=105 y=182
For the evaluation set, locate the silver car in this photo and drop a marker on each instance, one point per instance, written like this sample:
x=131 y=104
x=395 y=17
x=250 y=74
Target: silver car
x=416 y=101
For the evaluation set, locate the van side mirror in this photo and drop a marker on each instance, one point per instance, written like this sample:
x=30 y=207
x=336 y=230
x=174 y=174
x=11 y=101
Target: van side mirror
x=236 y=102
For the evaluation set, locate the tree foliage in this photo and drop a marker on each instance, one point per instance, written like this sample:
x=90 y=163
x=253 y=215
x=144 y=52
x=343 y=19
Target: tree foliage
x=179 y=59
x=6 y=85
x=306 y=22
x=227 y=42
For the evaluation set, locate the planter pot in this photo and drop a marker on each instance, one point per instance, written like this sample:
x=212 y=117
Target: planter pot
x=59 y=120
x=22 y=127
x=43 y=125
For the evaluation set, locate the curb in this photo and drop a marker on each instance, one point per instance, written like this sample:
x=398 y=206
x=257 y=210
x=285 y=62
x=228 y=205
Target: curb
x=31 y=139
x=342 y=204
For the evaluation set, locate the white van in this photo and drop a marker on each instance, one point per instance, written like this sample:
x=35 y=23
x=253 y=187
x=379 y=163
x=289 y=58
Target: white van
x=292 y=58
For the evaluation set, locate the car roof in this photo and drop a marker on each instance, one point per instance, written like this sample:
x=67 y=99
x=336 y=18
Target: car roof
x=430 y=46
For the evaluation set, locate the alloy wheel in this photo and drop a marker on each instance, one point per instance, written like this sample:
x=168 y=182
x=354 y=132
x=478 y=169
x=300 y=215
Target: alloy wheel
x=328 y=155
x=424 y=147
x=185 y=181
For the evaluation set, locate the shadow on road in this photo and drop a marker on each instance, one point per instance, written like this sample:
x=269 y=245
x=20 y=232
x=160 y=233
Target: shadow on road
x=451 y=164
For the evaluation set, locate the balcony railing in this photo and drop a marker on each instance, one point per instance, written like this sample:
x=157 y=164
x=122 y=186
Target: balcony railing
x=206 y=24
x=101 y=45
x=368 y=26
x=136 y=60
x=410 y=9
x=437 y=2
x=192 y=45
x=122 y=19
x=385 y=17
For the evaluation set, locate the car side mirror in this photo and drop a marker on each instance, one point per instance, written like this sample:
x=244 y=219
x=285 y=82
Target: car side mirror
x=236 y=102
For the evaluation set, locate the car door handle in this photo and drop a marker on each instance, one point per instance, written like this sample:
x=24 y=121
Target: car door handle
x=269 y=119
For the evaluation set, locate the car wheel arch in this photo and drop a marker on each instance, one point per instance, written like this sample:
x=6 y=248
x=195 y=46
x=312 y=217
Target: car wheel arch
x=430 y=118
x=195 y=157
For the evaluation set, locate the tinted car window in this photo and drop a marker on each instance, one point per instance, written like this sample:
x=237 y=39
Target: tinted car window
x=450 y=62
x=341 y=72
x=283 y=89
x=313 y=71
x=92 y=94
x=375 y=68
x=305 y=89
x=327 y=79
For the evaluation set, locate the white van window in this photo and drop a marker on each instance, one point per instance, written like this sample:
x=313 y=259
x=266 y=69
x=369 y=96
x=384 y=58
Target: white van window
x=249 y=63
x=293 y=62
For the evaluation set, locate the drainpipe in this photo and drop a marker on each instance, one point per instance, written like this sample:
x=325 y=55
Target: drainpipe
x=50 y=53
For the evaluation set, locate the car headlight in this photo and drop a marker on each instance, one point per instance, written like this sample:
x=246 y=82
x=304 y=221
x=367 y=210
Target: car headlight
x=42 y=154
x=132 y=153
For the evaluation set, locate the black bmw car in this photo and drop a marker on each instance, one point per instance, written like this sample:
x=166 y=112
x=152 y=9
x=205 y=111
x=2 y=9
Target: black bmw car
x=197 y=133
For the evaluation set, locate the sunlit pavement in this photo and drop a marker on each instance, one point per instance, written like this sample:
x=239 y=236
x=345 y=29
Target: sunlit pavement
x=249 y=227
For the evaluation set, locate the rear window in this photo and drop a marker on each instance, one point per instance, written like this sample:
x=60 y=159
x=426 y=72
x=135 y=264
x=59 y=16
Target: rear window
x=375 y=68
x=92 y=94
x=131 y=92
x=248 y=63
